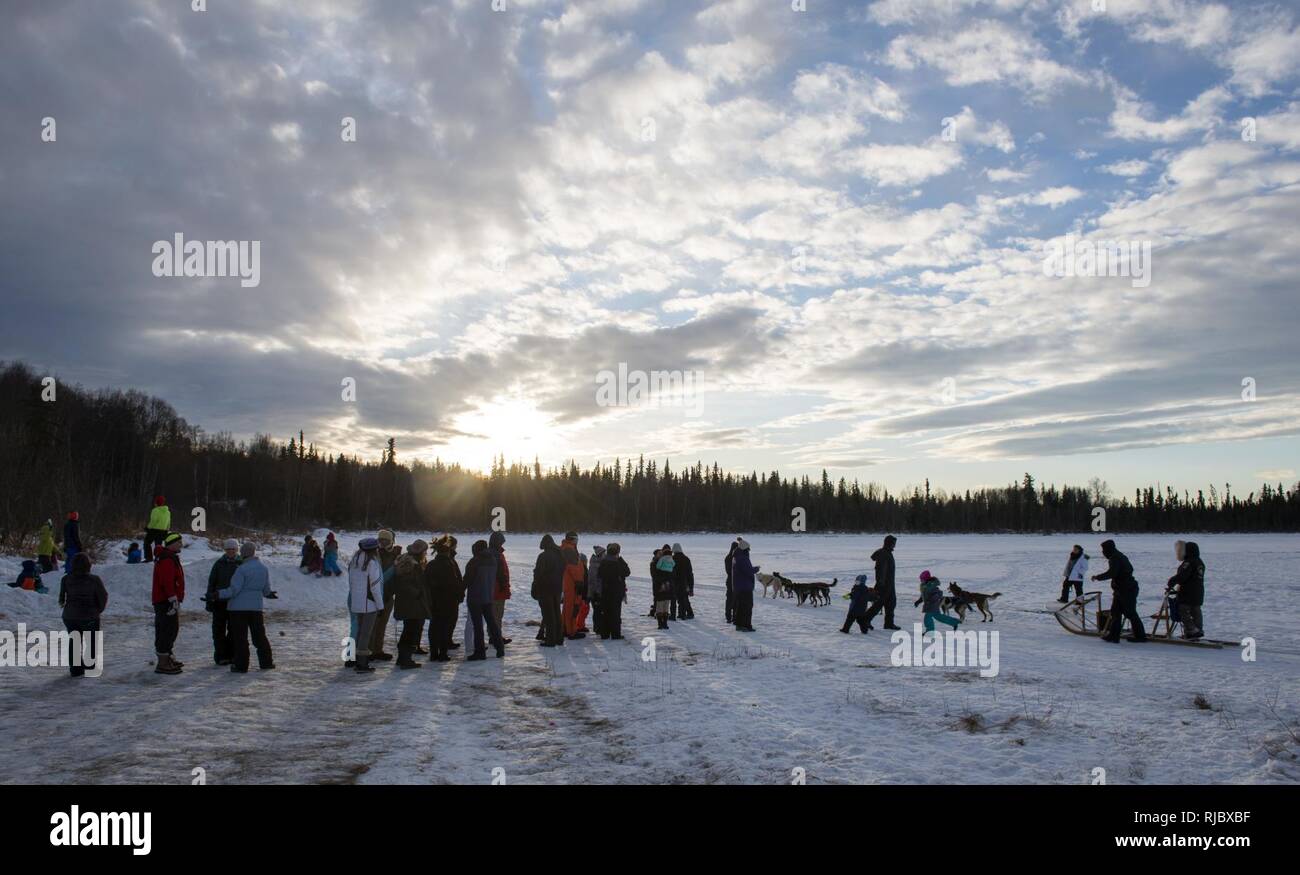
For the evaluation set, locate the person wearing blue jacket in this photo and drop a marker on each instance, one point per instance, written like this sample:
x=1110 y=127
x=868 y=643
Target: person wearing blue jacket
x=742 y=585
x=71 y=539
x=249 y=584
x=480 y=589
x=859 y=601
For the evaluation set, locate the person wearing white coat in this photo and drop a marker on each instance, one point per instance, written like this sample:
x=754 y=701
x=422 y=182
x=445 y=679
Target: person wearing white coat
x=365 y=596
x=1076 y=572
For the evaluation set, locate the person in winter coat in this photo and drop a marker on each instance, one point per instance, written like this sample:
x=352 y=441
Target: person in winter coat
x=1188 y=584
x=501 y=595
x=134 y=555
x=594 y=589
x=1076 y=571
x=250 y=583
x=613 y=575
x=662 y=580
x=168 y=593
x=412 y=603
x=548 y=589
x=29 y=578
x=683 y=584
x=83 y=598
x=886 y=596
x=47 y=553
x=730 y=606
x=446 y=591
x=480 y=587
x=305 y=562
x=388 y=555
x=932 y=602
x=742 y=584
x=218 y=579
x=573 y=584
x=1124 y=594
x=160 y=523
x=859 y=599
x=365 y=597
x=330 y=558
x=71 y=539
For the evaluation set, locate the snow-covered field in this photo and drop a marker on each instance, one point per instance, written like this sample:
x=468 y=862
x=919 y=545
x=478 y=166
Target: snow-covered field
x=716 y=705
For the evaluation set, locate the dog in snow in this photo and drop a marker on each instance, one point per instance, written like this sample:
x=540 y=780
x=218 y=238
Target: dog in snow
x=977 y=599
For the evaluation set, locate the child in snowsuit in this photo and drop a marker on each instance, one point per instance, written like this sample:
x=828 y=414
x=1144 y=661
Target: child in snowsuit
x=47 y=554
x=313 y=558
x=29 y=578
x=134 y=556
x=932 y=596
x=859 y=602
x=330 y=564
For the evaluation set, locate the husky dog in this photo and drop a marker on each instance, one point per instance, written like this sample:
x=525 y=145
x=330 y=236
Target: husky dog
x=978 y=599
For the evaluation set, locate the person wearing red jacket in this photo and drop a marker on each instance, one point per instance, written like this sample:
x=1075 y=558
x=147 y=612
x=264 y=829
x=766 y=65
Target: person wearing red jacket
x=496 y=543
x=575 y=585
x=168 y=593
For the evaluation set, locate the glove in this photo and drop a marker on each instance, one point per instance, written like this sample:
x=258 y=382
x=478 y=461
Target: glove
x=174 y=606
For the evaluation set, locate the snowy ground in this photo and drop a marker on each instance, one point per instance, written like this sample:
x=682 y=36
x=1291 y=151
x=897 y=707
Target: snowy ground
x=716 y=706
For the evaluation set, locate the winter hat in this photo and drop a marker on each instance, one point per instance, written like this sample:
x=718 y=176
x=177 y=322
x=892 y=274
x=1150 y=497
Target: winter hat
x=861 y=578
x=677 y=548
x=742 y=544
x=73 y=515
x=385 y=536
x=173 y=538
x=230 y=544
x=330 y=536
x=81 y=564
x=50 y=523
x=926 y=575
x=417 y=547
x=1107 y=547
x=890 y=540
x=368 y=543
x=159 y=500
x=248 y=550
x=598 y=551
x=497 y=540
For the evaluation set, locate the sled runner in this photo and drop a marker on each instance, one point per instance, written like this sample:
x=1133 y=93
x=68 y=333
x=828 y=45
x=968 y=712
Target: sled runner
x=1085 y=616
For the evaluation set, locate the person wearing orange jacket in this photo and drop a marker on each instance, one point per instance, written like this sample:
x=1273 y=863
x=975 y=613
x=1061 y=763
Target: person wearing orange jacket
x=497 y=544
x=168 y=593
x=575 y=582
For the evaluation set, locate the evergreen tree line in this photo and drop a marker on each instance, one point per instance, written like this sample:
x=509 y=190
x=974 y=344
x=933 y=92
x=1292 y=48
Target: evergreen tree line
x=107 y=453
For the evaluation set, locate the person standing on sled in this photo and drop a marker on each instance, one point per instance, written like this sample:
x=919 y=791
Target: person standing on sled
x=932 y=597
x=168 y=593
x=859 y=599
x=1076 y=571
x=365 y=597
x=480 y=585
x=1188 y=585
x=1124 y=594
x=683 y=584
x=742 y=582
x=613 y=592
x=160 y=522
x=886 y=596
x=411 y=604
x=218 y=579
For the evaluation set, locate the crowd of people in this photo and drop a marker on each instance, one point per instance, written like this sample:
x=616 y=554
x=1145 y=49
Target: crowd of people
x=417 y=590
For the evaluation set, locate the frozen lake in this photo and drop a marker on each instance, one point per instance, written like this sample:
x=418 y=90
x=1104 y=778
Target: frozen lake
x=715 y=705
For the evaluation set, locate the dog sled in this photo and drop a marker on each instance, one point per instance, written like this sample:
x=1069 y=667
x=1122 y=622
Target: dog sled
x=1086 y=616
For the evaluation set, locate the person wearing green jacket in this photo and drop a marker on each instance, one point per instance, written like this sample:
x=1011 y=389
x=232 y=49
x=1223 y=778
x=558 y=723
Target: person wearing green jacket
x=160 y=523
x=46 y=551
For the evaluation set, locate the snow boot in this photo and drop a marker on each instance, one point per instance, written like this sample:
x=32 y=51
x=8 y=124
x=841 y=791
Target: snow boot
x=165 y=665
x=501 y=652
x=176 y=662
x=476 y=656
x=363 y=665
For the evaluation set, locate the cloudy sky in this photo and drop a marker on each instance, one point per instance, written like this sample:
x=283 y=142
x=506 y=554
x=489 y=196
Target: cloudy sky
x=834 y=220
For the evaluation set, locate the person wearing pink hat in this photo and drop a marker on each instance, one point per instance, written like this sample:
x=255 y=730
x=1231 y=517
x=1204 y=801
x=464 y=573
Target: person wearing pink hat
x=932 y=597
